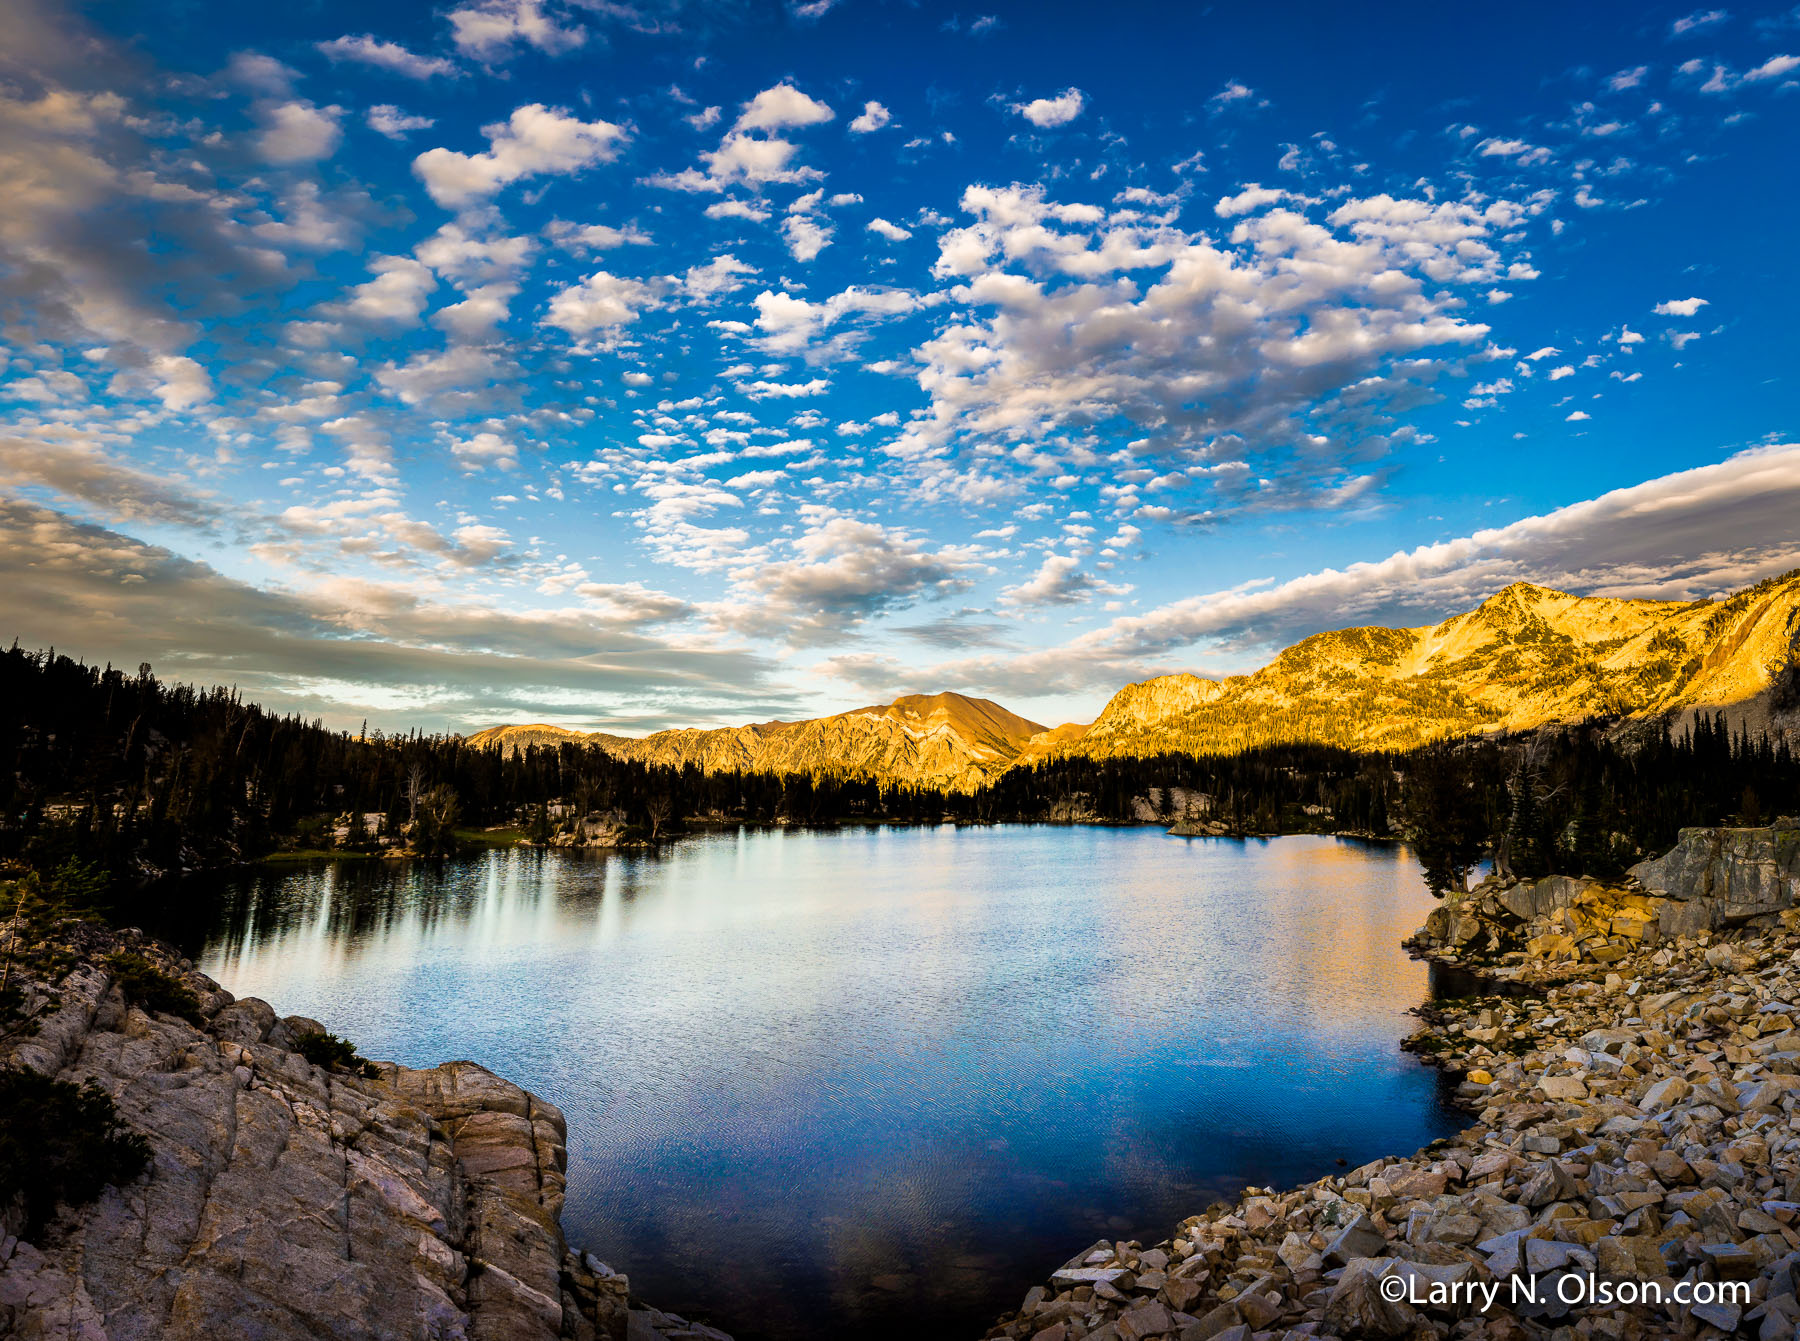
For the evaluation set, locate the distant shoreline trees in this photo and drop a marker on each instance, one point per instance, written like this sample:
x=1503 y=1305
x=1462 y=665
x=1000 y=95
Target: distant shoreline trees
x=113 y=779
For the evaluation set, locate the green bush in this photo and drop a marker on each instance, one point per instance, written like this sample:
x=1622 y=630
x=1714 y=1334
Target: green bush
x=147 y=986
x=61 y=1142
x=334 y=1054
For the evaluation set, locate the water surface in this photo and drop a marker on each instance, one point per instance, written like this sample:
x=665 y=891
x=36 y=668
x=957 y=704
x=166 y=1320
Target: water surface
x=877 y=1082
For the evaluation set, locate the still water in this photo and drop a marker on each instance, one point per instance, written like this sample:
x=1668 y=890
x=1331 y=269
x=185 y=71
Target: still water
x=879 y=1081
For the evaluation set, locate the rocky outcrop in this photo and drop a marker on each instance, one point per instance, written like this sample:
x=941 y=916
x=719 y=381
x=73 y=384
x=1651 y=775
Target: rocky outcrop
x=1712 y=878
x=285 y=1200
x=1733 y=874
x=1526 y=657
x=1632 y=1172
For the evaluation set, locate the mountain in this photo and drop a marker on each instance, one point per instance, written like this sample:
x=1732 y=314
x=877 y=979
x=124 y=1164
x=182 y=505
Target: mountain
x=1524 y=657
x=942 y=740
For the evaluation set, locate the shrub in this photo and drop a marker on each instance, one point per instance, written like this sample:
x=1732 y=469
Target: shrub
x=334 y=1054
x=61 y=1142
x=147 y=986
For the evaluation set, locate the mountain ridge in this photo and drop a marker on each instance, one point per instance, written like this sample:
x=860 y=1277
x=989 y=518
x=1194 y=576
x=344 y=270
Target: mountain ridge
x=1525 y=657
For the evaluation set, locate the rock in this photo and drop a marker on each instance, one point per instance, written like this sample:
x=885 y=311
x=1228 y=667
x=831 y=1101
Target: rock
x=1665 y=1094
x=1361 y=1239
x=1146 y=1320
x=1563 y=1087
x=1357 y=1308
x=292 y=1203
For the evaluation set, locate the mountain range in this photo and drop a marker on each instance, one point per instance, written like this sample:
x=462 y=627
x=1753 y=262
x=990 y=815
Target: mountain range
x=1525 y=657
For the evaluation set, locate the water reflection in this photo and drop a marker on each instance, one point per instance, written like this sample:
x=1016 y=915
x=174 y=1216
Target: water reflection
x=877 y=1081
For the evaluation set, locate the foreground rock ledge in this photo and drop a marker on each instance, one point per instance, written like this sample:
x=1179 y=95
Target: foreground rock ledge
x=1636 y=1123
x=288 y=1201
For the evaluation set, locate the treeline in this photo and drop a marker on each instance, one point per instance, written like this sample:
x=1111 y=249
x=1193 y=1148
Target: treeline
x=112 y=775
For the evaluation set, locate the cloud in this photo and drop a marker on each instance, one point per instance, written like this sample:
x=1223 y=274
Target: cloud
x=844 y=572
x=1690 y=535
x=1773 y=68
x=892 y=232
x=1626 y=79
x=485 y=449
x=395 y=297
x=1699 y=19
x=1679 y=307
x=490 y=32
x=806 y=235
x=1058 y=581
x=874 y=117
x=1231 y=93
x=1523 y=154
x=782 y=107
x=1577 y=416
x=1227 y=355
x=721 y=275
x=387 y=119
x=298 y=132
x=584 y=238
x=534 y=141
x=391 y=56
x=600 y=303
x=1058 y=111
x=350 y=649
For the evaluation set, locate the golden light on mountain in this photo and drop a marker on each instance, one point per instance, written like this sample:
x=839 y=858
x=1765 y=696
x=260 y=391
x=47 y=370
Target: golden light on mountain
x=1524 y=657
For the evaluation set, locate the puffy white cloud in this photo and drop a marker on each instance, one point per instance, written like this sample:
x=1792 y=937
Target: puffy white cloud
x=391 y=56
x=1058 y=111
x=844 y=572
x=584 y=238
x=298 y=132
x=181 y=382
x=1249 y=200
x=395 y=297
x=1224 y=354
x=1058 y=581
x=874 y=116
x=1577 y=416
x=891 y=231
x=387 y=119
x=737 y=209
x=806 y=235
x=1626 y=79
x=534 y=141
x=1679 y=307
x=601 y=302
x=484 y=449
x=782 y=107
x=721 y=275
x=492 y=30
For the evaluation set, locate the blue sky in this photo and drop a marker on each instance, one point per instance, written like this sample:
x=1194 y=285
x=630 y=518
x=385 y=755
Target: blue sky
x=636 y=364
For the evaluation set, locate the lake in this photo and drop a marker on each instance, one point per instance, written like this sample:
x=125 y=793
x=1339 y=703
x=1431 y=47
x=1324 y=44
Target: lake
x=879 y=1081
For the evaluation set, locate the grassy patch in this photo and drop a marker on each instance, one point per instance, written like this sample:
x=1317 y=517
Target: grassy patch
x=61 y=1142
x=500 y=837
x=147 y=986
x=314 y=854
x=335 y=1054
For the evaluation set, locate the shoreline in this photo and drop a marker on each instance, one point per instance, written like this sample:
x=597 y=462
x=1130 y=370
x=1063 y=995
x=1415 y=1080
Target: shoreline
x=290 y=1190
x=1632 y=1147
